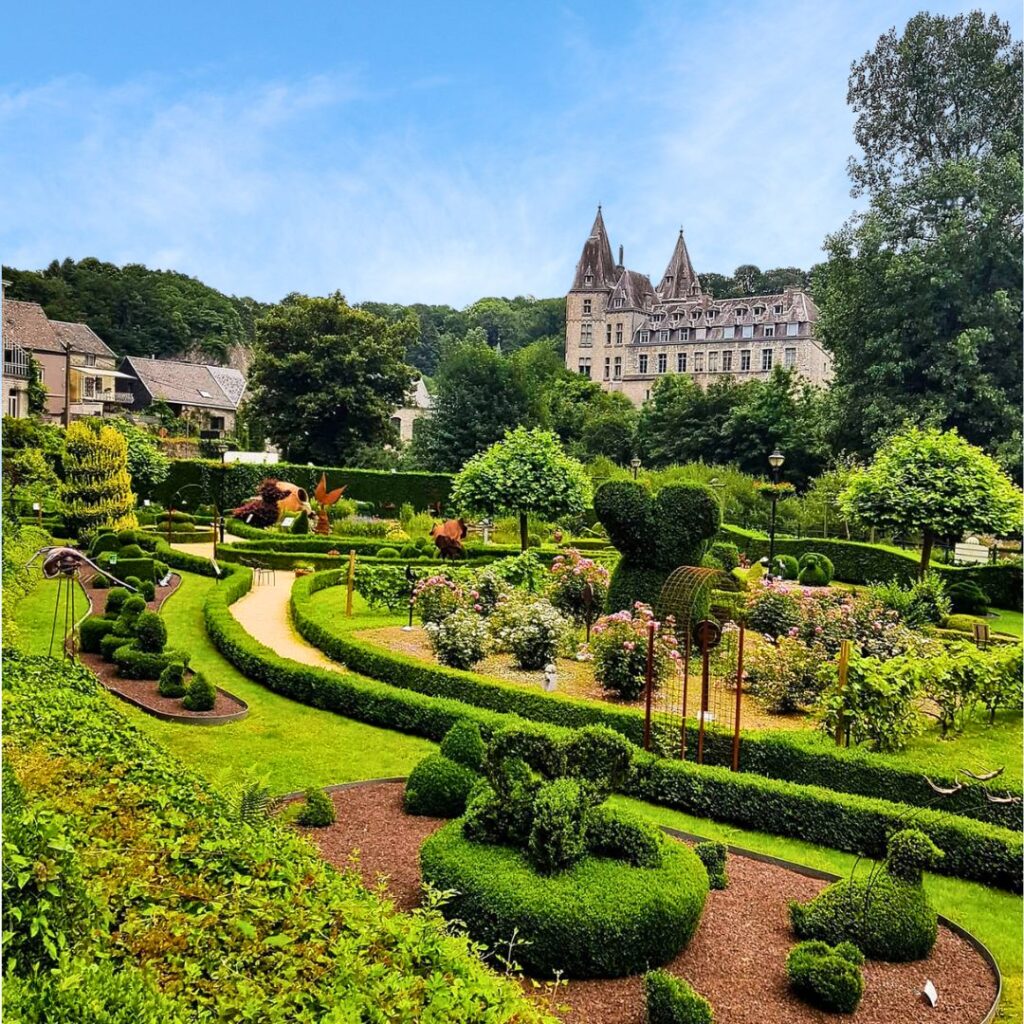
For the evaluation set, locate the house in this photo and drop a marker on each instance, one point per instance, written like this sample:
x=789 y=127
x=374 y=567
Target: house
x=61 y=350
x=417 y=404
x=208 y=396
x=625 y=333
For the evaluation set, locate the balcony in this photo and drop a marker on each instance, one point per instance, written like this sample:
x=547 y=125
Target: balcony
x=16 y=362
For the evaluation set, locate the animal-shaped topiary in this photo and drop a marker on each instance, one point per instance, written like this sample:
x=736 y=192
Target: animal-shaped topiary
x=654 y=535
x=885 y=914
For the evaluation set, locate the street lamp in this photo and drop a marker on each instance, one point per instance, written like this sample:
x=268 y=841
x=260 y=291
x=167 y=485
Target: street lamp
x=775 y=460
x=635 y=464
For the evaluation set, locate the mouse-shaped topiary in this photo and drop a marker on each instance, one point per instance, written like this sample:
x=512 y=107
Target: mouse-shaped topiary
x=654 y=535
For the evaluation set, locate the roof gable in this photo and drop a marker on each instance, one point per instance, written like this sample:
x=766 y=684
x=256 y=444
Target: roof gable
x=195 y=384
x=25 y=324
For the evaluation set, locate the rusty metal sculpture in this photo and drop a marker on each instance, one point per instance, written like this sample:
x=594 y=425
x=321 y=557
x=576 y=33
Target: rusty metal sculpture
x=448 y=537
x=324 y=500
x=64 y=564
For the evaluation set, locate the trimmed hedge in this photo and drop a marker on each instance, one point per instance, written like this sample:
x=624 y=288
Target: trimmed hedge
x=856 y=562
x=125 y=567
x=778 y=755
x=984 y=852
x=599 y=918
x=92 y=631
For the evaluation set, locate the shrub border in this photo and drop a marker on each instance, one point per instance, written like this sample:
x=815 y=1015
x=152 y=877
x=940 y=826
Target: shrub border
x=773 y=756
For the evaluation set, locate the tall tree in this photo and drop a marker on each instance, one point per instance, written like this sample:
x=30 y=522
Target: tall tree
x=327 y=378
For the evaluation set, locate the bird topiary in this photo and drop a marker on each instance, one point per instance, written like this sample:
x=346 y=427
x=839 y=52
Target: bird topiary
x=463 y=744
x=654 y=535
x=815 y=570
x=200 y=695
x=713 y=857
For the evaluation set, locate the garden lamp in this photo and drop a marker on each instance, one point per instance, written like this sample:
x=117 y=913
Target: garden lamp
x=635 y=465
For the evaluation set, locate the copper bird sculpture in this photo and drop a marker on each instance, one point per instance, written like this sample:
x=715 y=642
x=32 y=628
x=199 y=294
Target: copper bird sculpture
x=324 y=500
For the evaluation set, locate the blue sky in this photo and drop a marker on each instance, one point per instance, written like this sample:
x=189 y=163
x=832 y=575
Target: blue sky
x=432 y=152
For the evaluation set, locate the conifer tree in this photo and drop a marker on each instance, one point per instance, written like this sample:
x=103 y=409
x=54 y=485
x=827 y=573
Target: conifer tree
x=97 y=489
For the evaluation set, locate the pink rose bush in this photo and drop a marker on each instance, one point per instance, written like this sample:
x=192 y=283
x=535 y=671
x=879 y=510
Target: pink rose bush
x=570 y=573
x=618 y=650
x=436 y=597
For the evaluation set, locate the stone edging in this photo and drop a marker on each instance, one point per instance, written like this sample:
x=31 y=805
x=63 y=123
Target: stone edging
x=976 y=944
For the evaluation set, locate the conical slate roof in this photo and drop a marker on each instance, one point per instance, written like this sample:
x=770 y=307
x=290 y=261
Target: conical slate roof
x=596 y=261
x=679 y=278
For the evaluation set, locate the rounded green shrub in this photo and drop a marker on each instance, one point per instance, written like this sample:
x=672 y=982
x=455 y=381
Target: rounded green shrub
x=712 y=856
x=962 y=623
x=133 y=663
x=727 y=553
x=438 y=787
x=815 y=570
x=967 y=598
x=624 y=837
x=785 y=566
x=387 y=552
x=828 y=977
x=600 y=918
x=100 y=582
x=133 y=581
x=111 y=642
x=172 y=681
x=130 y=551
x=409 y=551
x=464 y=745
x=92 y=631
x=105 y=540
x=125 y=537
x=150 y=633
x=132 y=607
x=147 y=590
x=116 y=598
x=200 y=694
x=318 y=810
x=671 y=1000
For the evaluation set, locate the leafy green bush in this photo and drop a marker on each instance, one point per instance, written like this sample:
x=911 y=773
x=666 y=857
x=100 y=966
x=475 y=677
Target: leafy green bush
x=111 y=642
x=150 y=633
x=828 y=977
x=785 y=675
x=923 y=603
x=92 y=631
x=460 y=639
x=116 y=598
x=172 y=681
x=133 y=663
x=436 y=597
x=816 y=570
x=147 y=590
x=558 y=835
x=671 y=1000
x=382 y=586
x=318 y=810
x=131 y=550
x=713 y=856
x=131 y=608
x=438 y=787
x=409 y=551
x=967 y=598
x=100 y=582
x=200 y=694
x=463 y=744
x=624 y=837
x=727 y=553
x=630 y=918
x=785 y=566
x=387 y=552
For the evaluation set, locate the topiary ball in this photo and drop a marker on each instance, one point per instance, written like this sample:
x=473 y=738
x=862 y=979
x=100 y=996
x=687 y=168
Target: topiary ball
x=464 y=745
x=828 y=977
x=438 y=787
x=410 y=551
x=387 y=552
x=116 y=598
x=815 y=570
x=130 y=551
x=318 y=810
x=100 y=582
x=671 y=1000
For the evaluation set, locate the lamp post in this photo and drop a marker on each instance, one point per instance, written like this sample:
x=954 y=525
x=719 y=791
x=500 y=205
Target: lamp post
x=775 y=460
x=635 y=464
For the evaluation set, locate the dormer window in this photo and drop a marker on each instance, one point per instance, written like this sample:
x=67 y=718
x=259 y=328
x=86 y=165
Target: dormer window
x=668 y=280
x=586 y=307
x=758 y=310
x=742 y=311
x=696 y=314
x=693 y=288
x=588 y=279
x=619 y=303
x=643 y=337
x=712 y=313
x=777 y=309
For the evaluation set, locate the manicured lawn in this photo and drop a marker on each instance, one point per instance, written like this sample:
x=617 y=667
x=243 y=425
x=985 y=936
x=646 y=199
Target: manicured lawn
x=288 y=745
x=1007 y=622
x=35 y=617
x=991 y=915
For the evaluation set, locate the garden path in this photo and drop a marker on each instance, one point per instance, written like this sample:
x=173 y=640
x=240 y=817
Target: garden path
x=204 y=549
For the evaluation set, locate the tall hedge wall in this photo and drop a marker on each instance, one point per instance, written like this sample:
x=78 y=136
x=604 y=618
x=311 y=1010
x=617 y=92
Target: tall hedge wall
x=207 y=482
x=869 y=563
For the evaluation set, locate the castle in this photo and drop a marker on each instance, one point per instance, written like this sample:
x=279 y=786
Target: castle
x=625 y=333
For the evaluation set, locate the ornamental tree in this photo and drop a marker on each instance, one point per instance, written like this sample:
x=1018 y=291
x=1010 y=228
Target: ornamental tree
x=526 y=472
x=97 y=488
x=935 y=483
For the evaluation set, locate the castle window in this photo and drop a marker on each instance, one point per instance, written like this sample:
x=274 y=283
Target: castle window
x=584 y=366
x=618 y=334
x=693 y=288
x=619 y=303
x=728 y=332
x=668 y=280
x=643 y=337
x=663 y=336
x=681 y=362
x=587 y=334
x=607 y=367
x=712 y=362
x=747 y=330
x=662 y=362
x=744 y=360
x=588 y=279
x=696 y=314
x=769 y=330
x=684 y=334
x=641 y=362
x=767 y=356
x=586 y=307
x=698 y=362
x=792 y=330
x=777 y=309
x=712 y=313
x=742 y=311
x=789 y=358
x=617 y=375
x=758 y=310
x=727 y=362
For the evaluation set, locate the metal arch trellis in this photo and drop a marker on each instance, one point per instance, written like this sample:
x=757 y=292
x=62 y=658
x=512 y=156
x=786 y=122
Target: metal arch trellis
x=686 y=597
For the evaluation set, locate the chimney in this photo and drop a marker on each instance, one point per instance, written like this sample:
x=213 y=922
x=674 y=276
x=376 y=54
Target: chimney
x=621 y=264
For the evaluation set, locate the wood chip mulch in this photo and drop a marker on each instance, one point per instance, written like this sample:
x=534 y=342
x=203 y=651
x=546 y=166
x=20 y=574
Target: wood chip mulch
x=736 y=959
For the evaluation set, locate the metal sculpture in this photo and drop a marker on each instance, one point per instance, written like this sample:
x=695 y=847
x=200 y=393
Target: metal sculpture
x=448 y=537
x=324 y=500
x=64 y=565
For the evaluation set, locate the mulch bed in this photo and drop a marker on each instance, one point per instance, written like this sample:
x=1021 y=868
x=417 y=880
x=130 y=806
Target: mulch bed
x=736 y=960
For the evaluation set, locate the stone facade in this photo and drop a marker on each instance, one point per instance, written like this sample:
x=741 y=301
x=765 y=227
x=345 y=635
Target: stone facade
x=625 y=333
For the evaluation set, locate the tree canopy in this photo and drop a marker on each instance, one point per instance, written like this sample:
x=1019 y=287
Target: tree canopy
x=526 y=472
x=327 y=378
x=934 y=483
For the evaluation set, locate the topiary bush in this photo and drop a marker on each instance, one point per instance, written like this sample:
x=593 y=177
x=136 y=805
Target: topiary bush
x=464 y=745
x=131 y=608
x=200 y=694
x=100 y=582
x=671 y=1000
x=172 y=681
x=654 y=535
x=828 y=977
x=131 y=550
x=785 y=566
x=116 y=598
x=967 y=598
x=815 y=570
x=409 y=551
x=111 y=642
x=727 y=553
x=133 y=663
x=558 y=834
x=624 y=837
x=439 y=787
x=147 y=590
x=318 y=810
x=712 y=856
x=459 y=640
x=92 y=631
x=387 y=552
x=887 y=914
x=150 y=633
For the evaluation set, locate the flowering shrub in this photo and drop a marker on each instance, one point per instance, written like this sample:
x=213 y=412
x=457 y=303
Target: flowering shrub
x=618 y=648
x=570 y=574
x=784 y=675
x=436 y=597
x=486 y=589
x=923 y=603
x=460 y=640
x=533 y=632
x=772 y=608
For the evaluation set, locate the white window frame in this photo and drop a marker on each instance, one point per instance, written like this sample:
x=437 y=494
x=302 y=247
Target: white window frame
x=744 y=359
x=643 y=337
x=727 y=361
x=789 y=357
x=713 y=362
x=747 y=331
x=698 y=362
x=662 y=362
x=642 y=362
x=684 y=334
x=663 y=336
x=587 y=307
x=680 y=362
x=767 y=359
x=769 y=330
x=617 y=368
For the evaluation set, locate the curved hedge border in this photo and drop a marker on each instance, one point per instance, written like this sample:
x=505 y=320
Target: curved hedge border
x=985 y=853
x=856 y=562
x=776 y=755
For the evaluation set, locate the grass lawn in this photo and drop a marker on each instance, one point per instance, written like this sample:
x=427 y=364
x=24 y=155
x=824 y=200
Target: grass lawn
x=288 y=745
x=35 y=617
x=991 y=915
x=1007 y=622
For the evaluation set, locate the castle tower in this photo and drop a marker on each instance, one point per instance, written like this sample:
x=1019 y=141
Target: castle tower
x=680 y=280
x=587 y=301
